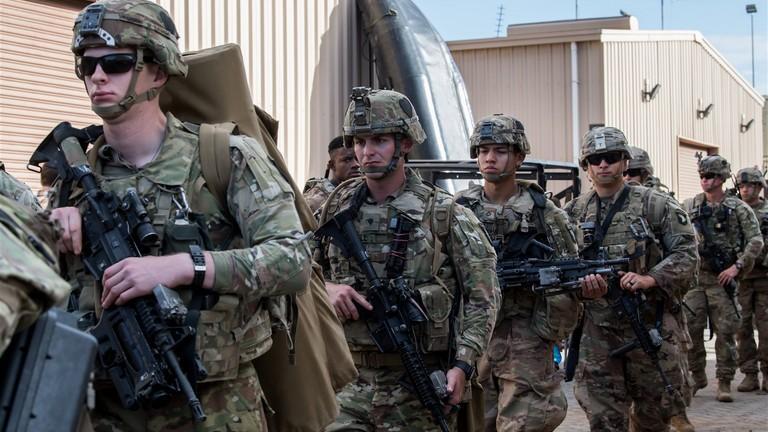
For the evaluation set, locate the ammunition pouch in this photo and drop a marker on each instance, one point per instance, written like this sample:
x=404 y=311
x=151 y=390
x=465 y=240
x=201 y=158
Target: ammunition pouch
x=438 y=305
x=555 y=317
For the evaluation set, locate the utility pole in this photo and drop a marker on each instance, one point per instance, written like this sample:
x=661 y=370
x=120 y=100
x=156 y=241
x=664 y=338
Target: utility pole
x=499 y=17
x=751 y=11
x=577 y=9
x=662 y=14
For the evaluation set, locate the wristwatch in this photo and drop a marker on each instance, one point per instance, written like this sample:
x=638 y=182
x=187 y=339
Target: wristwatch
x=198 y=260
x=739 y=265
x=467 y=368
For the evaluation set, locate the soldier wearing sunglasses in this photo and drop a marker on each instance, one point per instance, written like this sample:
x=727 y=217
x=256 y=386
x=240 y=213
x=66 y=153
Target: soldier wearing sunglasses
x=640 y=171
x=618 y=220
x=226 y=260
x=729 y=242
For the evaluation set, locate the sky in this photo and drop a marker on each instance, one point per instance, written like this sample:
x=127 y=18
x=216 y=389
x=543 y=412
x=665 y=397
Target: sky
x=724 y=23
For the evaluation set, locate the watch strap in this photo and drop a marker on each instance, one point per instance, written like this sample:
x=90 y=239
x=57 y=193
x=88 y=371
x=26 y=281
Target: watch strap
x=198 y=260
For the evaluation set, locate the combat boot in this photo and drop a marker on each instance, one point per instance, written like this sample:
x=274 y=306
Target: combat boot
x=681 y=423
x=724 y=391
x=699 y=382
x=764 y=388
x=749 y=384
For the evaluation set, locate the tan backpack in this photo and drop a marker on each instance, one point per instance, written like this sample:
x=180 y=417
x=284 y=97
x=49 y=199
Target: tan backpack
x=301 y=388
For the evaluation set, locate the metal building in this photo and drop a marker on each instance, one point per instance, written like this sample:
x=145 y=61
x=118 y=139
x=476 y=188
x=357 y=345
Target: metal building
x=671 y=92
x=302 y=58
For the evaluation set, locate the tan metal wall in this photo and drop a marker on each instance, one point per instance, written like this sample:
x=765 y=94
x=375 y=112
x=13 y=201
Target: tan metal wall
x=691 y=77
x=533 y=84
x=301 y=57
x=38 y=87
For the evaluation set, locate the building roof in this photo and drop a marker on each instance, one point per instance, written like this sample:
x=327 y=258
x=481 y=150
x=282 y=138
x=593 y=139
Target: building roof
x=609 y=29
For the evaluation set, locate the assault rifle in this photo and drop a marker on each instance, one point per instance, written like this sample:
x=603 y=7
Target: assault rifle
x=550 y=277
x=136 y=341
x=394 y=313
x=630 y=306
x=718 y=259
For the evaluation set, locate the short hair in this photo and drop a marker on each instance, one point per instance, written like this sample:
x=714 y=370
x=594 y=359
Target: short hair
x=48 y=175
x=335 y=144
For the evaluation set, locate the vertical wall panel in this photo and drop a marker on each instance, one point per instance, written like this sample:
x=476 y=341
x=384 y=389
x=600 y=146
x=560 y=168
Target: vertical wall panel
x=38 y=86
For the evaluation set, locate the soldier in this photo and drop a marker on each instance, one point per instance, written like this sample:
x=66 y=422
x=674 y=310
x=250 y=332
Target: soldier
x=522 y=390
x=450 y=268
x=17 y=190
x=255 y=251
x=729 y=241
x=29 y=282
x=640 y=171
x=753 y=291
x=616 y=220
x=342 y=166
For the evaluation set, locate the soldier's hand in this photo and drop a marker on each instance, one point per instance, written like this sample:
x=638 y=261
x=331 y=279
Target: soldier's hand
x=137 y=277
x=343 y=298
x=726 y=276
x=70 y=229
x=593 y=286
x=632 y=281
x=455 y=386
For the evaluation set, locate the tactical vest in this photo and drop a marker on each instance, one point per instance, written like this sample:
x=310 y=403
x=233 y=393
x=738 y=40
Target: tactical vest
x=511 y=226
x=761 y=211
x=230 y=329
x=428 y=271
x=722 y=223
x=634 y=233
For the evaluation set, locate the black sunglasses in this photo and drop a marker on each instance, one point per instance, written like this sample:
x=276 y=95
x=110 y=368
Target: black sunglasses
x=633 y=172
x=110 y=64
x=611 y=158
x=708 y=176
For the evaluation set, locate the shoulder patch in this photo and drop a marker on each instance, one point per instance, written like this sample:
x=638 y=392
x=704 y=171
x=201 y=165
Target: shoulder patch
x=682 y=216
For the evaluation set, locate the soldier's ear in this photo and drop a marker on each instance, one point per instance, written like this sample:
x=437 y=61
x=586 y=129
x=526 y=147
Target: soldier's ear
x=406 y=144
x=519 y=159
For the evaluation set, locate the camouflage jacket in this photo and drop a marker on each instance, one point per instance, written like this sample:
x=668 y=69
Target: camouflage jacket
x=316 y=191
x=651 y=229
x=17 y=190
x=733 y=226
x=518 y=216
x=29 y=279
x=450 y=262
x=257 y=243
x=761 y=263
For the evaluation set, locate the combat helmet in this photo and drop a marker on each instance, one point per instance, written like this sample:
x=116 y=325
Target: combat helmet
x=375 y=112
x=603 y=140
x=499 y=129
x=750 y=175
x=640 y=160
x=139 y=24
x=715 y=164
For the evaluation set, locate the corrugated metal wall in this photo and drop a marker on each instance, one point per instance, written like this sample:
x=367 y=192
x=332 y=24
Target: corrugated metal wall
x=533 y=84
x=38 y=87
x=691 y=78
x=302 y=59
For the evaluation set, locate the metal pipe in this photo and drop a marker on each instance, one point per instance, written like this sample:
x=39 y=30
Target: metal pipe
x=576 y=136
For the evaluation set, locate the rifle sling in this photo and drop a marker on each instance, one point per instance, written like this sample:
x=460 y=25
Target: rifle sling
x=600 y=234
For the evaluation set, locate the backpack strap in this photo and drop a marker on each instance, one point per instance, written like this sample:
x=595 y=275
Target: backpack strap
x=214 y=162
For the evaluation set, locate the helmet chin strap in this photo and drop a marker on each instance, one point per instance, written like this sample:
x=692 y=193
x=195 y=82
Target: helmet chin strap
x=111 y=112
x=390 y=167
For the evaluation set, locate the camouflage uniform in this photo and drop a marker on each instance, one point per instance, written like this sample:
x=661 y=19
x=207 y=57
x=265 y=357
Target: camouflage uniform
x=316 y=191
x=521 y=389
x=17 y=190
x=735 y=231
x=450 y=265
x=753 y=295
x=255 y=239
x=619 y=393
x=29 y=282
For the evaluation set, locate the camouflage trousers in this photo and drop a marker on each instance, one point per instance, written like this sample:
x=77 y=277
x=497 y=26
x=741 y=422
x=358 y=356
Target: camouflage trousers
x=627 y=393
x=377 y=402
x=753 y=299
x=234 y=405
x=521 y=385
x=685 y=343
x=710 y=299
